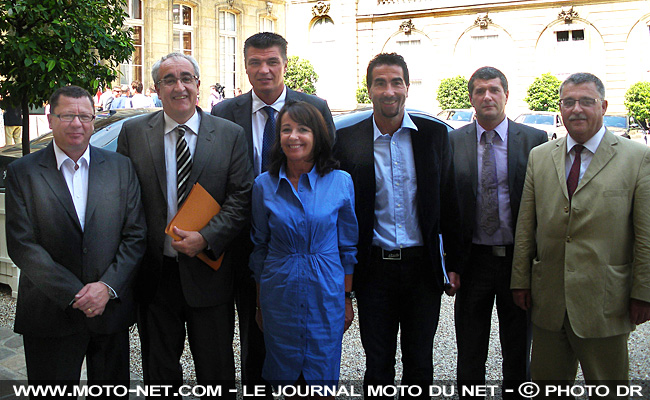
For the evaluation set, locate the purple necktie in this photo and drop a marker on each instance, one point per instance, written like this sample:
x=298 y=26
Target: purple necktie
x=574 y=173
x=489 y=218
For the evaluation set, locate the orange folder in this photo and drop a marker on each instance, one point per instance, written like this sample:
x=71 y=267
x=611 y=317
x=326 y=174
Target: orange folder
x=195 y=213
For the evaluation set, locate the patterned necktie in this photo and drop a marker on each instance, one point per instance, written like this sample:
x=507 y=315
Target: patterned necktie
x=268 y=138
x=183 y=164
x=489 y=216
x=574 y=172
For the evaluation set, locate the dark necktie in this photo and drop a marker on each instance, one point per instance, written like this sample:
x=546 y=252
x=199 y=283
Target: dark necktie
x=183 y=164
x=268 y=138
x=574 y=173
x=489 y=218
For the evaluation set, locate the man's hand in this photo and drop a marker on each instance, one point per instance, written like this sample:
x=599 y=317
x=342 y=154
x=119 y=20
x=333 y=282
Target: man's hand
x=522 y=298
x=454 y=281
x=191 y=243
x=639 y=311
x=92 y=299
x=349 y=314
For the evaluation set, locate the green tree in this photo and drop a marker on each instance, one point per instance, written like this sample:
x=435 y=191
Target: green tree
x=453 y=93
x=362 y=93
x=543 y=94
x=300 y=75
x=637 y=102
x=47 y=44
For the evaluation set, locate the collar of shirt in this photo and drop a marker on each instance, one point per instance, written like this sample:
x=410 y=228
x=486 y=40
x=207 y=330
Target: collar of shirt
x=501 y=129
x=61 y=157
x=311 y=177
x=591 y=144
x=193 y=123
x=258 y=104
x=407 y=123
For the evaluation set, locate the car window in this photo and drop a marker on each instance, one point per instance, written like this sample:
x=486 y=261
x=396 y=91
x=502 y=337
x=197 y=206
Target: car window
x=615 y=121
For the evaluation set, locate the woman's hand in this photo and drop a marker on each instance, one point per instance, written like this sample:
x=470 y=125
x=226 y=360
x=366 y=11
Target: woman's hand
x=258 y=319
x=349 y=314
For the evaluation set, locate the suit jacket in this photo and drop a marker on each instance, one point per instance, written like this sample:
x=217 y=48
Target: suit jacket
x=221 y=166
x=57 y=258
x=437 y=199
x=239 y=110
x=587 y=258
x=521 y=139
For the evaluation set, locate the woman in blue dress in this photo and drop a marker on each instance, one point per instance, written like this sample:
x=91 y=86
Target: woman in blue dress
x=305 y=232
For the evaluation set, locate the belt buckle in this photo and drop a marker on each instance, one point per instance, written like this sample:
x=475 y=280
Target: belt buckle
x=499 y=251
x=391 y=255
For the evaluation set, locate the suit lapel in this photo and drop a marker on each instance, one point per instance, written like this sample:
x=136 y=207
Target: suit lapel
x=96 y=179
x=204 y=148
x=54 y=178
x=243 y=116
x=514 y=151
x=156 y=139
x=604 y=153
x=471 y=154
x=559 y=159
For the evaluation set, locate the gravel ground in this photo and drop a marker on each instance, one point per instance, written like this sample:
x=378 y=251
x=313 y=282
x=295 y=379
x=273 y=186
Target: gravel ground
x=353 y=360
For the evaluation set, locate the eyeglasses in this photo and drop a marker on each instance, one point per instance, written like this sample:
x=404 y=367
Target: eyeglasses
x=70 y=117
x=585 y=102
x=185 y=80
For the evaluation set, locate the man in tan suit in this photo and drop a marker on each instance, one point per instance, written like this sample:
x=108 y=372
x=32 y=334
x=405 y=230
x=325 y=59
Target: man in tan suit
x=582 y=248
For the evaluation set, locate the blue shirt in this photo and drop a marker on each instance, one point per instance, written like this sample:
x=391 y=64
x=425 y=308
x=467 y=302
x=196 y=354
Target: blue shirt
x=304 y=246
x=396 y=218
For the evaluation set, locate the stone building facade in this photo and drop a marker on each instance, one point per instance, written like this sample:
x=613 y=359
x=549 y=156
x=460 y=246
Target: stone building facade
x=212 y=31
x=446 y=38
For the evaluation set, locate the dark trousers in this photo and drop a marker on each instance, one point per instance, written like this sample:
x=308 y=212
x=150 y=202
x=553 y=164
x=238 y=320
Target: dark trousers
x=162 y=327
x=488 y=277
x=251 y=338
x=398 y=296
x=58 y=360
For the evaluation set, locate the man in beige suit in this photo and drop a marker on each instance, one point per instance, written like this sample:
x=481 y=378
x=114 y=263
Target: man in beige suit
x=582 y=248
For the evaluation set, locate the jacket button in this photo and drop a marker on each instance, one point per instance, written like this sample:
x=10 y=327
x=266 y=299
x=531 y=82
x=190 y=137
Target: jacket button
x=85 y=250
x=568 y=239
x=566 y=209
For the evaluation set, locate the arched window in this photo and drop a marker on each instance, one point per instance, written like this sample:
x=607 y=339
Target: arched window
x=227 y=51
x=183 y=28
x=132 y=69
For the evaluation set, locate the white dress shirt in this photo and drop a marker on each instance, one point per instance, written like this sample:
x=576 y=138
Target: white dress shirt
x=585 y=156
x=259 y=118
x=191 y=136
x=76 y=177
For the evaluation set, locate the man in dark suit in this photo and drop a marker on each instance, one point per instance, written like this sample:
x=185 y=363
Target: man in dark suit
x=490 y=157
x=76 y=229
x=265 y=55
x=175 y=287
x=405 y=190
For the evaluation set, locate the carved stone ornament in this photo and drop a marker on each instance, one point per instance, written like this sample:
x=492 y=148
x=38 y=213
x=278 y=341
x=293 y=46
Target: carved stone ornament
x=407 y=27
x=230 y=3
x=568 y=15
x=269 y=8
x=483 y=21
x=320 y=9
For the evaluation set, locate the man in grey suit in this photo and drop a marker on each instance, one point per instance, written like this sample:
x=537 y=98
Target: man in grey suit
x=76 y=229
x=490 y=158
x=265 y=55
x=175 y=287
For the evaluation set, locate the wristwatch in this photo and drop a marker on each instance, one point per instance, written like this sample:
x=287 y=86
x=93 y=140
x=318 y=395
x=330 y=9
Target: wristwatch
x=350 y=295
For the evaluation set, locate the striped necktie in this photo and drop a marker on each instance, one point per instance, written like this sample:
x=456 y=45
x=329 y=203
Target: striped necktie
x=183 y=164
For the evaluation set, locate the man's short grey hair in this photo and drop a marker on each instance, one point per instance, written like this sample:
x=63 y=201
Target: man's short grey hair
x=156 y=66
x=584 y=77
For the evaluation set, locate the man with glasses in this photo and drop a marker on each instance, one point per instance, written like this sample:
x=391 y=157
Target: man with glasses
x=582 y=254
x=176 y=289
x=76 y=229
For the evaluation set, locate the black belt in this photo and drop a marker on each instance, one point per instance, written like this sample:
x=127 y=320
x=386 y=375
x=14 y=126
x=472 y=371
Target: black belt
x=497 y=251
x=404 y=254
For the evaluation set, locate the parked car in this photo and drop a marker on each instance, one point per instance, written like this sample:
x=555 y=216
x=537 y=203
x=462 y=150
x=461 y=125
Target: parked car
x=457 y=117
x=548 y=121
x=618 y=124
x=109 y=124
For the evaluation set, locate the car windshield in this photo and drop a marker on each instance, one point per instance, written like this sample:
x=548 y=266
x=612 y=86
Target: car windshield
x=615 y=121
x=536 y=119
x=460 y=116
